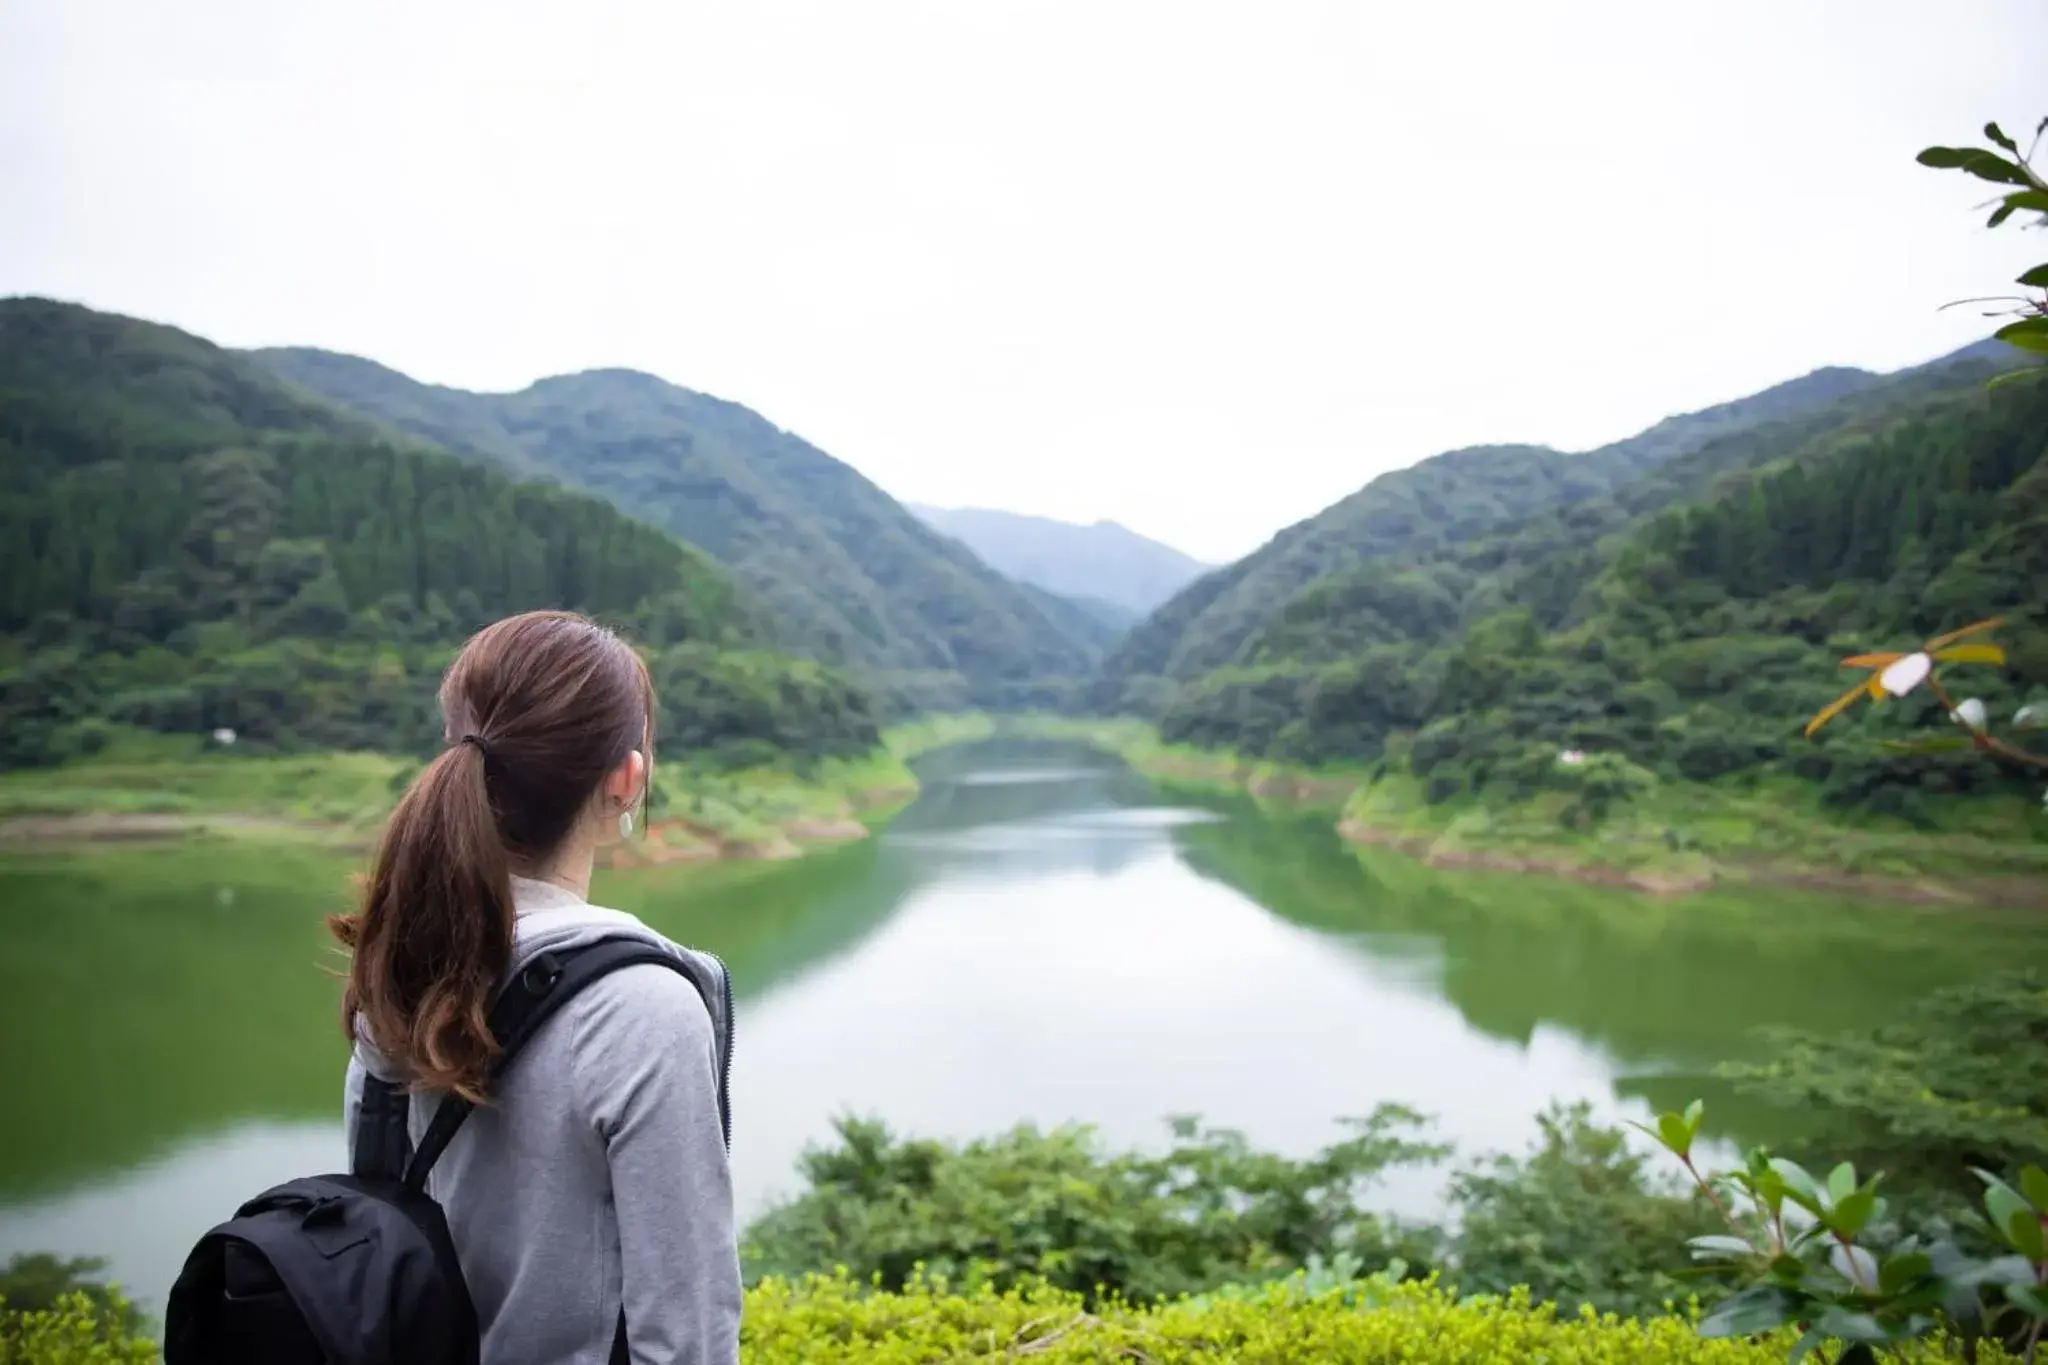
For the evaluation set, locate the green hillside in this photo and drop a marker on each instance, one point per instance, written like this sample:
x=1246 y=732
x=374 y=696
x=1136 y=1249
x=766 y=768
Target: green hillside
x=1450 y=500
x=1545 y=560
x=188 y=544
x=842 y=571
x=1683 y=627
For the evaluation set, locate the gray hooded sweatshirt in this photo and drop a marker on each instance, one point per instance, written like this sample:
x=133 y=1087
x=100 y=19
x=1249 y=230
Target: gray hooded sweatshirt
x=597 y=1176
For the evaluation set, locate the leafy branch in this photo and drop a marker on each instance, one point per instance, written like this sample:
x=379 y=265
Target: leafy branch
x=1824 y=1258
x=2022 y=191
x=1895 y=674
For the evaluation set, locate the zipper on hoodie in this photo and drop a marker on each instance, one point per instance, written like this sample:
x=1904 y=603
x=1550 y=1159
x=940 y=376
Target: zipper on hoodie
x=725 y=1056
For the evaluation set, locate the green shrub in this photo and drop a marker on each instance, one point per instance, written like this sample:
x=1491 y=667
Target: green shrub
x=36 y=1281
x=1373 y=1323
x=75 y=1330
x=1032 y=1206
x=1415 y=1323
x=1951 y=1082
x=1582 y=1219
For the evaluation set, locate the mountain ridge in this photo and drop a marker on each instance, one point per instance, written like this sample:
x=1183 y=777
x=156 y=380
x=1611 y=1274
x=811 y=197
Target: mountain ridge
x=1679 y=628
x=1103 y=559
x=1455 y=497
x=190 y=546
x=846 y=574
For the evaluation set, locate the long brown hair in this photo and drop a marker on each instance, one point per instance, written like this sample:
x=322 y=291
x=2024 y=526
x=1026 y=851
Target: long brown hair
x=538 y=709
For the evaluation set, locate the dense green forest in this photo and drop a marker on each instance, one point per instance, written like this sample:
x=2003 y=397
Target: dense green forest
x=842 y=571
x=1682 y=624
x=188 y=544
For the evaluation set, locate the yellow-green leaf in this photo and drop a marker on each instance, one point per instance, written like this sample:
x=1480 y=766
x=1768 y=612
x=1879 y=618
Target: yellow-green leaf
x=1834 y=708
x=1980 y=653
x=1871 y=660
x=1973 y=629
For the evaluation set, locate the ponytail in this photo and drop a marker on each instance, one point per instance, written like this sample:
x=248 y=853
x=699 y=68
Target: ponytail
x=434 y=936
x=545 y=705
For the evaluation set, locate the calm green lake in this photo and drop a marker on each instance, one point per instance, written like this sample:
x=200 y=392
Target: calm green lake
x=1043 y=936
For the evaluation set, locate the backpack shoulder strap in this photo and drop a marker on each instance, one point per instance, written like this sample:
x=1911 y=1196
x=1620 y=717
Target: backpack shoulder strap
x=383 y=1143
x=529 y=1000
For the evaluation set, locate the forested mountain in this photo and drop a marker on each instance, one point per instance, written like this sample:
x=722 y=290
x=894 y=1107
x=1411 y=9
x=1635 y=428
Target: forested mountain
x=842 y=571
x=186 y=543
x=1097 y=623
x=1687 y=622
x=1104 y=561
x=1448 y=500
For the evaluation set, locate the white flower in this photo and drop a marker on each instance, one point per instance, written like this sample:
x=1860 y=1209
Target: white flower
x=1903 y=675
x=1571 y=758
x=2030 y=717
x=223 y=736
x=1970 y=714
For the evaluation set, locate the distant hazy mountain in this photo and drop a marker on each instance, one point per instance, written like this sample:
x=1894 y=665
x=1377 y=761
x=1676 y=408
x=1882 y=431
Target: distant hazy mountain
x=1114 y=566
x=846 y=573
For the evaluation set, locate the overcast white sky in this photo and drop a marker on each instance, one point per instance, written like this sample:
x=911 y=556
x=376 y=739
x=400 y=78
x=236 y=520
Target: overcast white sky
x=1198 y=268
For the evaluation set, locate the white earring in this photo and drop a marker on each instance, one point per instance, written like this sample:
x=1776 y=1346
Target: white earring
x=626 y=824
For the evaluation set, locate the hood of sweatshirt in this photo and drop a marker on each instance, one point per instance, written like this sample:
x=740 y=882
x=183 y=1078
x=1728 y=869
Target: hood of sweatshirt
x=552 y=918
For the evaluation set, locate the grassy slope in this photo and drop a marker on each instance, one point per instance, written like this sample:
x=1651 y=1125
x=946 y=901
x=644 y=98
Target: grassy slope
x=151 y=785
x=1221 y=770
x=1685 y=835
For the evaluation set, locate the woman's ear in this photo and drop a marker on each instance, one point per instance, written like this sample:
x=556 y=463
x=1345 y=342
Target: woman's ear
x=627 y=781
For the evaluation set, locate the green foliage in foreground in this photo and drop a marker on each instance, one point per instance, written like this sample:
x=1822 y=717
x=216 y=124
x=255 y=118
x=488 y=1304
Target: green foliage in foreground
x=72 y=1331
x=1955 y=1081
x=1372 y=1322
x=1579 y=1220
x=1028 y=1204
x=79 y=1303
x=1583 y=1218
x=1826 y=1257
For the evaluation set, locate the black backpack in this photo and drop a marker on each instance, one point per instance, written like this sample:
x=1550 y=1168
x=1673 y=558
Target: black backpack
x=359 y=1269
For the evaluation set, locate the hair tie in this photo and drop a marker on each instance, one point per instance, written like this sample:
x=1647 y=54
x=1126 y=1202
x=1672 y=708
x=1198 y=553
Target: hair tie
x=481 y=747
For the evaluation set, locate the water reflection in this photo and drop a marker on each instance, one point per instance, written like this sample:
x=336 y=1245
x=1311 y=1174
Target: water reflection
x=143 y=1220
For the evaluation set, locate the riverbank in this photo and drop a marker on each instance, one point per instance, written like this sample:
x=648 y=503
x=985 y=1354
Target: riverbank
x=153 y=787
x=1681 y=837
x=1667 y=838
x=1218 y=771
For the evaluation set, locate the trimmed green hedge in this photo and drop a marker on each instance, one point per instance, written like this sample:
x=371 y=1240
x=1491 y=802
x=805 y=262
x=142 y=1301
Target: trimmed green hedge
x=1414 y=1323
x=1373 y=1323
